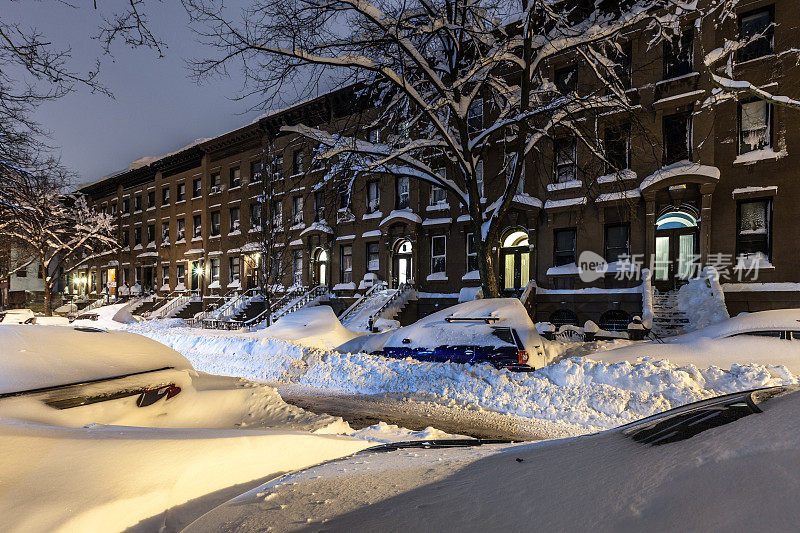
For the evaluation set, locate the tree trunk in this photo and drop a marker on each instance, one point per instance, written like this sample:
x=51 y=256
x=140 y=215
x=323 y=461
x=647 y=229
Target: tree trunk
x=486 y=269
x=48 y=299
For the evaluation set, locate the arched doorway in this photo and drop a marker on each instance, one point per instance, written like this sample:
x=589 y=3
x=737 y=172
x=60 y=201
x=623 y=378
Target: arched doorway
x=515 y=256
x=322 y=266
x=402 y=262
x=677 y=246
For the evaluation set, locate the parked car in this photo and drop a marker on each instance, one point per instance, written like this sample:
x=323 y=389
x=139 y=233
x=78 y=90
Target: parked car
x=766 y=337
x=17 y=316
x=730 y=462
x=70 y=367
x=496 y=331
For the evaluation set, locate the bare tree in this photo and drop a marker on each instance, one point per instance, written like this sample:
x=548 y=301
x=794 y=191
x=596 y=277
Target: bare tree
x=426 y=67
x=61 y=231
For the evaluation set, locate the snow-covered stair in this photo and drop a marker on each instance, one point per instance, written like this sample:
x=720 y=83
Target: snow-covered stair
x=382 y=303
x=668 y=320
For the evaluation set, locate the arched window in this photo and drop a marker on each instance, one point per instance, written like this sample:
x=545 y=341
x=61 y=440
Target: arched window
x=563 y=317
x=615 y=320
x=676 y=219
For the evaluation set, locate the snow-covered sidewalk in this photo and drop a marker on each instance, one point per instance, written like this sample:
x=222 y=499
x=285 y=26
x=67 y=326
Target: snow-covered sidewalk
x=576 y=395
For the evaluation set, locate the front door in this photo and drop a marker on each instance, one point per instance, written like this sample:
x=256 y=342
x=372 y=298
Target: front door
x=515 y=268
x=194 y=276
x=403 y=268
x=148 y=278
x=675 y=259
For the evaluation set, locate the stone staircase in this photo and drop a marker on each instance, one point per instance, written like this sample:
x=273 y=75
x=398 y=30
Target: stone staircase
x=668 y=321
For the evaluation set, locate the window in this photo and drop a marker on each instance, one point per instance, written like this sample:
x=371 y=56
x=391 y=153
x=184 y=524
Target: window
x=677 y=138
x=755 y=126
x=151 y=233
x=180 y=274
x=617 y=242
x=214 y=270
x=137 y=236
x=438 y=251
x=566 y=167
x=181 y=192
x=297 y=162
x=137 y=204
x=126 y=206
x=277 y=168
x=197 y=226
x=297 y=267
x=346 y=263
x=373 y=257
x=319 y=205
x=753 y=229
x=277 y=214
x=197 y=188
x=126 y=237
x=22 y=273
x=678 y=55
x=624 y=68
x=165 y=274
x=255 y=171
x=215 y=183
x=181 y=233
x=373 y=135
x=472 y=254
x=438 y=194
x=479 y=178
x=475 y=116
x=255 y=216
x=756 y=25
x=373 y=196
x=233 y=270
x=151 y=199
x=165 y=232
x=233 y=216
x=165 y=196
x=402 y=192
x=564 y=246
x=614 y=320
x=297 y=210
x=236 y=177
x=214 y=223
x=113 y=209
x=617 y=146
x=566 y=79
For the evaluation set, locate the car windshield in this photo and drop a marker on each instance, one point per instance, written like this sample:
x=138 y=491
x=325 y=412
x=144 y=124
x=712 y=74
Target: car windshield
x=504 y=334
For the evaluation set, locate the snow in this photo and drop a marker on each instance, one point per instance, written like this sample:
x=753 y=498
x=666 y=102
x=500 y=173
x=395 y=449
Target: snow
x=755 y=156
x=321 y=226
x=44 y=356
x=312 y=326
x=372 y=233
x=437 y=276
x=437 y=221
x=108 y=317
x=564 y=270
x=681 y=168
x=567 y=202
x=572 y=184
x=772 y=190
x=401 y=214
x=471 y=275
x=739 y=476
x=621 y=195
x=786 y=286
x=702 y=300
x=345 y=286
x=615 y=177
x=688 y=95
x=345 y=238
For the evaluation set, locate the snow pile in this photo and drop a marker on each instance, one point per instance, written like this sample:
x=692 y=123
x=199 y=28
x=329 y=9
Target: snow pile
x=108 y=317
x=702 y=300
x=386 y=433
x=580 y=394
x=312 y=326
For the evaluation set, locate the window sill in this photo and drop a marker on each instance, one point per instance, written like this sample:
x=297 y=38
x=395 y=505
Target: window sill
x=754 y=156
x=217 y=236
x=180 y=202
x=678 y=78
x=737 y=64
x=235 y=188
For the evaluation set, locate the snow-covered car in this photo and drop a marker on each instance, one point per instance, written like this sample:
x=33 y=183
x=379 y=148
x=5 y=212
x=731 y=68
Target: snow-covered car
x=108 y=317
x=18 y=316
x=496 y=331
x=765 y=337
x=72 y=367
x=727 y=463
x=50 y=321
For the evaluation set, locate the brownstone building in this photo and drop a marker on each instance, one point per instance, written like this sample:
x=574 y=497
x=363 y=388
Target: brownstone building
x=703 y=185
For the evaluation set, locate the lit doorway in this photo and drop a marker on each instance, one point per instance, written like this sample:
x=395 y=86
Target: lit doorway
x=321 y=262
x=403 y=262
x=676 y=248
x=515 y=257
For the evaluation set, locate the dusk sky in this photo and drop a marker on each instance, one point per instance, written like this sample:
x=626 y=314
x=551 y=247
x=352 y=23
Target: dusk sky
x=157 y=108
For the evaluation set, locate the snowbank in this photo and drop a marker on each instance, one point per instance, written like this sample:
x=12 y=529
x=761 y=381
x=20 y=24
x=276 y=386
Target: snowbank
x=313 y=326
x=580 y=394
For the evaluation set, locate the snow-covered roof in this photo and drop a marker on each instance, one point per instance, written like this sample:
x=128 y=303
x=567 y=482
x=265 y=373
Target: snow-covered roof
x=320 y=226
x=681 y=168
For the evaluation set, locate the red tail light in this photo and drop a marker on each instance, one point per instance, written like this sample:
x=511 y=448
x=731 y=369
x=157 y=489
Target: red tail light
x=523 y=357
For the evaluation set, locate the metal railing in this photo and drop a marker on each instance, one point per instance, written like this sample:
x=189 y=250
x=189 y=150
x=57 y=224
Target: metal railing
x=403 y=290
x=176 y=302
x=361 y=302
x=301 y=302
x=227 y=300
x=222 y=318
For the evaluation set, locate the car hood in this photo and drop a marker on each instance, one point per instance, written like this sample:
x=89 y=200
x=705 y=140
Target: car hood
x=739 y=475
